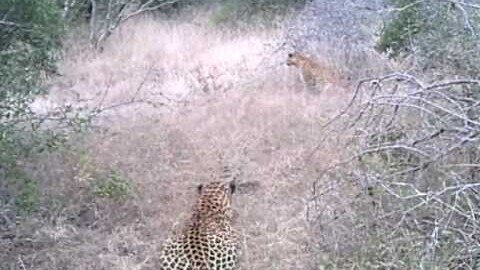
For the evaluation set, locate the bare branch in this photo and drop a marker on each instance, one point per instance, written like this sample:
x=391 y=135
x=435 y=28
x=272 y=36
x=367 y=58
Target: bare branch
x=118 y=12
x=417 y=144
x=462 y=3
x=406 y=6
x=7 y=23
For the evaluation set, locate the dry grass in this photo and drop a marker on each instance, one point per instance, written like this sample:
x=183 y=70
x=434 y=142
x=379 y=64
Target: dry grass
x=221 y=98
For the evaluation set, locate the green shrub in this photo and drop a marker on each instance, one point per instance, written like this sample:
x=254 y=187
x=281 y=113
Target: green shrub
x=30 y=33
x=26 y=192
x=27 y=196
x=114 y=186
x=30 y=36
x=237 y=12
x=233 y=12
x=397 y=33
x=441 y=34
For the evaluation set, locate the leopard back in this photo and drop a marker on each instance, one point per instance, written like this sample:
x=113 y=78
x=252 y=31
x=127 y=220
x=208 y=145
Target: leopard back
x=209 y=241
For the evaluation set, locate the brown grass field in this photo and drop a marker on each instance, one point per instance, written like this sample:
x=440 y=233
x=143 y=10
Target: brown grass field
x=179 y=101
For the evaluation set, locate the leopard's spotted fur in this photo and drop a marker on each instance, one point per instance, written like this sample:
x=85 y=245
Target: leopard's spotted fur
x=209 y=241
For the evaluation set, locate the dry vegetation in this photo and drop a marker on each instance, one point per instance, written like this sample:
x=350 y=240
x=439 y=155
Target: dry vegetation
x=175 y=102
x=377 y=173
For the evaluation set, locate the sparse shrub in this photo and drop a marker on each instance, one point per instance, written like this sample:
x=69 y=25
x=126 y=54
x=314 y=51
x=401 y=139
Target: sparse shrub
x=26 y=192
x=400 y=30
x=233 y=12
x=74 y=12
x=31 y=34
x=237 y=12
x=441 y=34
x=28 y=46
x=113 y=186
x=416 y=164
x=30 y=38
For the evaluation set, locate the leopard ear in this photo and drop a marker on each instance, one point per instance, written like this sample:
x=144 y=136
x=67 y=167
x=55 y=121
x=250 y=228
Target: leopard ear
x=233 y=186
x=199 y=188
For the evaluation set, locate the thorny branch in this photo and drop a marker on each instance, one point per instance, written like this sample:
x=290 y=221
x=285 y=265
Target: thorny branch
x=417 y=160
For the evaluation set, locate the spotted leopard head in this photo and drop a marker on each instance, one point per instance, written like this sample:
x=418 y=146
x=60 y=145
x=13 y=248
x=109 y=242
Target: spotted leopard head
x=296 y=59
x=214 y=202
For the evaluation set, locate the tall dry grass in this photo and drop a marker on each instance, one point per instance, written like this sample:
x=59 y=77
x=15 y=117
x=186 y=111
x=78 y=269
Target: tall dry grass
x=178 y=101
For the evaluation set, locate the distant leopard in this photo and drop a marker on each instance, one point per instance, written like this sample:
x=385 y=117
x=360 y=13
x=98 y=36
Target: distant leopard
x=209 y=241
x=314 y=73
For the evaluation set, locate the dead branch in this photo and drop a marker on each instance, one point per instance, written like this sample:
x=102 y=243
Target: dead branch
x=417 y=151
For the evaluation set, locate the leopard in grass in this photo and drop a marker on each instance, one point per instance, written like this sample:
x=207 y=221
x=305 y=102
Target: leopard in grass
x=314 y=73
x=209 y=241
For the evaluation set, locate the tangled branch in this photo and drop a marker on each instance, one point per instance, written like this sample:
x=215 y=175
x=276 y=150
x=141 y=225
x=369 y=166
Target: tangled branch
x=417 y=160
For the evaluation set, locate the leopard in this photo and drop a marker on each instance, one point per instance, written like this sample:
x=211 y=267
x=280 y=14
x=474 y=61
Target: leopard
x=314 y=74
x=209 y=241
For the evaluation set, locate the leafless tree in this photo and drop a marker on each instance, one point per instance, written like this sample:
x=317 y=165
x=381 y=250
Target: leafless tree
x=418 y=161
x=106 y=15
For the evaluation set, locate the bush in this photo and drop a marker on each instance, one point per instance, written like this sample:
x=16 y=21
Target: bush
x=26 y=193
x=232 y=12
x=236 y=12
x=416 y=157
x=407 y=23
x=441 y=34
x=113 y=186
x=30 y=40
